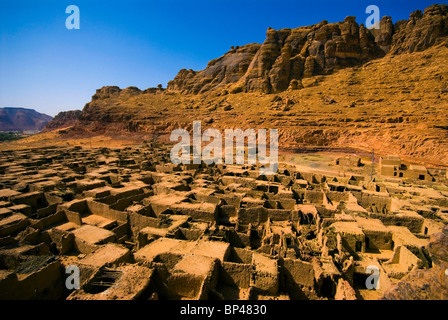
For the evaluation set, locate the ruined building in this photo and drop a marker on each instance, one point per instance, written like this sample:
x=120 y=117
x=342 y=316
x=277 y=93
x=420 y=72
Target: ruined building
x=139 y=227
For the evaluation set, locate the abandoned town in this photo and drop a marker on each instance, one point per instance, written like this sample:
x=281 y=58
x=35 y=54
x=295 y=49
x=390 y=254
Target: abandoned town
x=139 y=227
x=355 y=205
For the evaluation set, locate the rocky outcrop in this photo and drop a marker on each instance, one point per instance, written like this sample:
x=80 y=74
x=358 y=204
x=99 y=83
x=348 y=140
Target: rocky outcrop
x=106 y=92
x=227 y=69
x=394 y=104
x=63 y=119
x=292 y=54
x=421 y=30
x=114 y=92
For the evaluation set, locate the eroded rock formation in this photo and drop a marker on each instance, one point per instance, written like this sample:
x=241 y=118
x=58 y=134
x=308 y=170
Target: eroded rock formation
x=63 y=119
x=290 y=54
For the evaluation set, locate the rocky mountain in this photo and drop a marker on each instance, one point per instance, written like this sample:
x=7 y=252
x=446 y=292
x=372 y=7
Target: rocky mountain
x=63 y=119
x=338 y=96
x=21 y=119
x=292 y=54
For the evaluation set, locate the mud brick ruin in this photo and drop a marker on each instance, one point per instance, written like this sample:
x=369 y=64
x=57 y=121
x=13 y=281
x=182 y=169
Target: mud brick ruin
x=139 y=227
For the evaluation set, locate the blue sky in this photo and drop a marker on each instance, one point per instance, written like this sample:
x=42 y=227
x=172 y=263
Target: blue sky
x=46 y=67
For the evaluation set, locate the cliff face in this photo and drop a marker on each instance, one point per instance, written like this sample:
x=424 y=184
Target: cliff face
x=219 y=72
x=22 y=119
x=397 y=103
x=63 y=119
x=421 y=30
x=294 y=54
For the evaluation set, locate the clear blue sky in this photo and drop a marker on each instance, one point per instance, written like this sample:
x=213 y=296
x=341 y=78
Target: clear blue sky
x=46 y=67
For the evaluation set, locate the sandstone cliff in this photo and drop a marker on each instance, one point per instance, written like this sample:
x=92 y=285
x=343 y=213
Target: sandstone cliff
x=63 y=119
x=219 y=72
x=395 y=104
x=294 y=54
